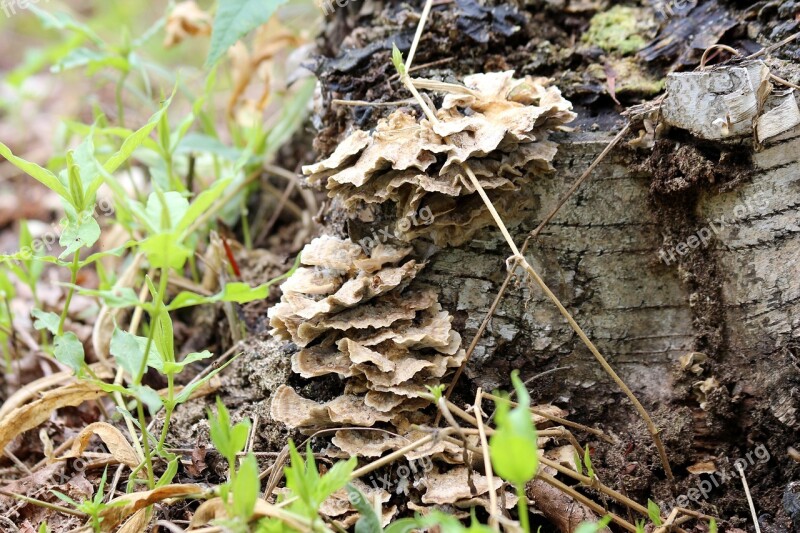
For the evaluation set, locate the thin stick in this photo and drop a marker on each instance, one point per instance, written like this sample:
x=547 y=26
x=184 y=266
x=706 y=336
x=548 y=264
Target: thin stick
x=520 y=259
x=749 y=497
x=774 y=47
x=364 y=103
x=534 y=234
x=553 y=482
x=418 y=35
x=579 y=477
x=487 y=464
x=46 y=505
x=557 y=419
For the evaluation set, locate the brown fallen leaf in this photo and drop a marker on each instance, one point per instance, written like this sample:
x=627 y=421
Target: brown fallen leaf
x=121 y=508
x=30 y=415
x=209 y=510
x=136 y=523
x=186 y=20
x=113 y=438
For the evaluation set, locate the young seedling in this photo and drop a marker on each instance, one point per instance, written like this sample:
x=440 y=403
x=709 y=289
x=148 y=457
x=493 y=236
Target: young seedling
x=93 y=507
x=513 y=445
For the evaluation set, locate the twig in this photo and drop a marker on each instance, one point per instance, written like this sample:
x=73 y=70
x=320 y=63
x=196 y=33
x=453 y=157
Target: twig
x=418 y=35
x=46 y=505
x=365 y=103
x=749 y=497
x=772 y=48
x=494 y=510
x=534 y=234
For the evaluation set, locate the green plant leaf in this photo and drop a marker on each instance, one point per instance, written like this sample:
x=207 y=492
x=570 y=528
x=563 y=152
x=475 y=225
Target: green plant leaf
x=513 y=445
x=128 y=350
x=148 y=396
x=234 y=20
x=578 y=462
x=69 y=351
x=201 y=204
x=232 y=292
x=593 y=527
x=368 y=522
x=82 y=233
x=44 y=320
x=246 y=487
x=169 y=474
x=712 y=526
x=587 y=459
x=118 y=297
x=164 y=250
x=93 y=60
x=654 y=512
x=42 y=175
x=136 y=139
x=177 y=367
x=397 y=60
x=189 y=389
x=229 y=440
x=335 y=478
x=404 y=525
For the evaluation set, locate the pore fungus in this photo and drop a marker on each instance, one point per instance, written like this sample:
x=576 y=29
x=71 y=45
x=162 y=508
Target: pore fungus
x=497 y=125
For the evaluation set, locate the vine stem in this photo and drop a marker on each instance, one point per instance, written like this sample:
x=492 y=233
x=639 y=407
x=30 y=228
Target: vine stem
x=519 y=259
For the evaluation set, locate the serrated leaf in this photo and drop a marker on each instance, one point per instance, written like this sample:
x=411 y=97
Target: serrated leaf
x=234 y=20
x=69 y=351
x=82 y=233
x=45 y=320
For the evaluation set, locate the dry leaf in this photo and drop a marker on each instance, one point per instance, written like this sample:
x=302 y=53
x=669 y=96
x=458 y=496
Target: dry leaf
x=38 y=411
x=115 y=441
x=124 y=506
x=136 y=523
x=184 y=21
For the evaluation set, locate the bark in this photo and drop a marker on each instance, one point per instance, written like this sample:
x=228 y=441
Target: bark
x=612 y=257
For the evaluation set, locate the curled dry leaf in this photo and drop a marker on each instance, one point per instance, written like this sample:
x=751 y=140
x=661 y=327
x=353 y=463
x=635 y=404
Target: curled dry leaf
x=121 y=508
x=30 y=415
x=186 y=20
x=136 y=523
x=498 y=125
x=115 y=441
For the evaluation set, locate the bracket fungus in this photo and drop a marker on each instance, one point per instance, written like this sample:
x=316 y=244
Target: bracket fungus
x=353 y=314
x=497 y=124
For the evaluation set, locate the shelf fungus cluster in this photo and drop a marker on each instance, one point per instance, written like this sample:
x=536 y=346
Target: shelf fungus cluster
x=353 y=314
x=496 y=124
